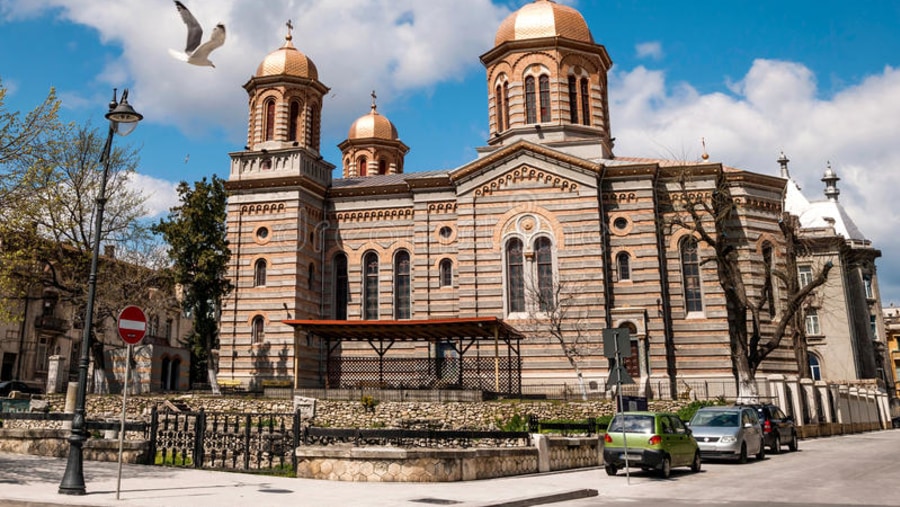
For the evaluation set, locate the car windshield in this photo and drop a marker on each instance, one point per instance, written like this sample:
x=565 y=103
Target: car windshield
x=715 y=419
x=630 y=423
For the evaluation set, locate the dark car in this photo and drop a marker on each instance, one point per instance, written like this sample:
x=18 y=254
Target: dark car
x=8 y=386
x=778 y=428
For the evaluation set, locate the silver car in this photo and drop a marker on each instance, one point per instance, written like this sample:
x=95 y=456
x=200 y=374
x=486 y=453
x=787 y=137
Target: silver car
x=728 y=432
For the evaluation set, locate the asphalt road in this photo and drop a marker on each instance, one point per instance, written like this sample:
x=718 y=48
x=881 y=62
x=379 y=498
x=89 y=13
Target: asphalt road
x=861 y=469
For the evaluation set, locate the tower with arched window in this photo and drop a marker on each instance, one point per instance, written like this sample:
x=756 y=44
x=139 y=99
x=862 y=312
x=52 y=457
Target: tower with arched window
x=372 y=147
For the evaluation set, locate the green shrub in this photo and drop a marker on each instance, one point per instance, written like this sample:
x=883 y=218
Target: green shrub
x=175 y=459
x=369 y=403
x=515 y=423
x=686 y=412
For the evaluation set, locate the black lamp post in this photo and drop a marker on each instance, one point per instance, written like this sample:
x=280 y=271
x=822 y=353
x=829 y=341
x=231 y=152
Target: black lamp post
x=122 y=120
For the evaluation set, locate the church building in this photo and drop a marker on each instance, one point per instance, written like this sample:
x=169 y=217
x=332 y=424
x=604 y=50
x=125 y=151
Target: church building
x=500 y=274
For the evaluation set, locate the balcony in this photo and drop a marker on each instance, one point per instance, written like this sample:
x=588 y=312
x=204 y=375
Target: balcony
x=51 y=324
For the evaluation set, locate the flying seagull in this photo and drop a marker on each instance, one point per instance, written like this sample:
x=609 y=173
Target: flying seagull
x=196 y=53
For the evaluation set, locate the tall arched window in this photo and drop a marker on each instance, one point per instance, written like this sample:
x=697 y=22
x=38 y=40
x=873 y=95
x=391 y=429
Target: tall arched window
x=370 y=286
x=341 y=289
x=515 y=276
x=815 y=368
x=498 y=107
x=446 y=269
x=545 y=98
x=543 y=250
x=506 y=104
x=585 y=102
x=530 y=101
x=768 y=285
x=311 y=276
x=573 y=100
x=258 y=329
x=690 y=271
x=259 y=273
x=401 y=285
x=362 y=166
x=270 y=120
x=382 y=166
x=623 y=263
x=294 y=122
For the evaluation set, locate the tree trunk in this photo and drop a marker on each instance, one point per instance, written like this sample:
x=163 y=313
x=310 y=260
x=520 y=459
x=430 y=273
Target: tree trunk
x=211 y=375
x=579 y=375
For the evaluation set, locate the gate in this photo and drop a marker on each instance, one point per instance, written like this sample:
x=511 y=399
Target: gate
x=225 y=441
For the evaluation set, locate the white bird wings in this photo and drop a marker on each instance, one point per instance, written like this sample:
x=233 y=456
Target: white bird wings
x=195 y=31
x=194 y=52
x=215 y=40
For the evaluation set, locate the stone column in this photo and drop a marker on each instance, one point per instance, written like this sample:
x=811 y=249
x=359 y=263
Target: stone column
x=884 y=409
x=826 y=424
x=777 y=390
x=808 y=392
x=855 y=414
x=71 y=395
x=793 y=402
x=843 y=407
x=56 y=369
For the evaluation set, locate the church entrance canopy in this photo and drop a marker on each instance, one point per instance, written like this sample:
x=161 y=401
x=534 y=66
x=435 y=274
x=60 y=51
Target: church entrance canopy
x=451 y=362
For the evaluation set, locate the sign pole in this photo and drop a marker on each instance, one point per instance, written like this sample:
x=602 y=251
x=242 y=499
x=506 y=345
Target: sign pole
x=128 y=354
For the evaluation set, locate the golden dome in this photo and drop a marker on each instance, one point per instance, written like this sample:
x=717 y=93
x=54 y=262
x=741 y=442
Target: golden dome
x=373 y=125
x=287 y=60
x=543 y=18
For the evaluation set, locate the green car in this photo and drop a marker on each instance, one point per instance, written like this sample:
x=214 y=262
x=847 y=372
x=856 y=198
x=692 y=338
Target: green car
x=651 y=441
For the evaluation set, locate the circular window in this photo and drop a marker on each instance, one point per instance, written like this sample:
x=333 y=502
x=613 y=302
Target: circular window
x=262 y=233
x=445 y=232
x=620 y=223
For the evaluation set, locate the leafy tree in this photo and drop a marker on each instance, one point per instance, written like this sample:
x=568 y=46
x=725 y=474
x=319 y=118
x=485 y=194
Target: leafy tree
x=198 y=248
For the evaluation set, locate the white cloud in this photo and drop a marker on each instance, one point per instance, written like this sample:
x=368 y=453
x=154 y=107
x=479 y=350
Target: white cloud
x=777 y=106
x=652 y=50
x=161 y=195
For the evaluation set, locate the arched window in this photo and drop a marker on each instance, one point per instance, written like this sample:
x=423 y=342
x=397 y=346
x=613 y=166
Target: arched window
x=506 y=104
x=545 y=98
x=294 y=123
x=382 y=166
x=815 y=368
x=311 y=276
x=370 y=286
x=446 y=269
x=498 y=107
x=690 y=271
x=530 y=101
x=259 y=273
x=341 y=290
x=573 y=100
x=362 y=166
x=401 y=285
x=270 y=120
x=768 y=285
x=258 y=329
x=585 y=102
x=543 y=250
x=515 y=276
x=623 y=264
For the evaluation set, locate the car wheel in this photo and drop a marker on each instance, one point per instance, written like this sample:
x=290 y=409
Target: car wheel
x=776 y=447
x=665 y=470
x=762 y=451
x=793 y=445
x=742 y=458
x=611 y=470
x=695 y=465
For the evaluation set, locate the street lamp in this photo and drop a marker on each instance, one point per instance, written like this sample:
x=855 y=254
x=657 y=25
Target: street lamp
x=122 y=120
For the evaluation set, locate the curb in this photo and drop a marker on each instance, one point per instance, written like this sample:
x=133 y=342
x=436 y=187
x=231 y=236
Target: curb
x=574 y=494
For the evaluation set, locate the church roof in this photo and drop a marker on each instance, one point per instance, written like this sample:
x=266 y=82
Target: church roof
x=819 y=214
x=543 y=18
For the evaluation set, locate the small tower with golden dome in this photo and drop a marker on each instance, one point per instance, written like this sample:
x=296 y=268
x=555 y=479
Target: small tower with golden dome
x=547 y=82
x=372 y=146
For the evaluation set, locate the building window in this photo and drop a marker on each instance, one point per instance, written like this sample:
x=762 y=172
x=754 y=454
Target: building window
x=623 y=264
x=815 y=369
x=311 y=276
x=154 y=326
x=362 y=166
x=446 y=269
x=573 y=100
x=341 y=289
x=768 y=285
x=382 y=166
x=401 y=285
x=544 y=255
x=804 y=275
x=498 y=107
x=168 y=329
x=585 y=102
x=867 y=283
x=506 y=104
x=370 y=286
x=873 y=325
x=258 y=329
x=294 y=121
x=270 y=120
x=545 y=98
x=515 y=276
x=690 y=270
x=530 y=101
x=812 y=323
x=259 y=273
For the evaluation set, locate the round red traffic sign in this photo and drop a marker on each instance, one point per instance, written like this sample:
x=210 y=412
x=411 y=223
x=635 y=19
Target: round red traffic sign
x=132 y=324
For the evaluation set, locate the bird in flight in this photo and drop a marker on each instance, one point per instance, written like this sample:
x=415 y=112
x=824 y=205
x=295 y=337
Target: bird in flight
x=196 y=53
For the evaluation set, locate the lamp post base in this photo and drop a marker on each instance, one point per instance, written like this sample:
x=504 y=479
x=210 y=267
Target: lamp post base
x=73 y=480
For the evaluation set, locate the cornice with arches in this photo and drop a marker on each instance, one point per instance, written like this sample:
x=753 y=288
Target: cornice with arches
x=521 y=64
x=375 y=215
x=527 y=173
x=442 y=207
x=263 y=208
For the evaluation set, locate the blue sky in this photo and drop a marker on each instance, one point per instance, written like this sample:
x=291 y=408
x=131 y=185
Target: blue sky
x=816 y=79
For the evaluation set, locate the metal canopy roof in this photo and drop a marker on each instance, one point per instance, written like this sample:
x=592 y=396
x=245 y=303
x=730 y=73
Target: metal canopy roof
x=431 y=330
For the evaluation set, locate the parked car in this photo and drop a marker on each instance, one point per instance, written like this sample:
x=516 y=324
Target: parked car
x=651 y=441
x=8 y=386
x=728 y=432
x=778 y=428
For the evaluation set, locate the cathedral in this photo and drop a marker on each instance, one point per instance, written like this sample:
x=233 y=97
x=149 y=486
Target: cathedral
x=502 y=274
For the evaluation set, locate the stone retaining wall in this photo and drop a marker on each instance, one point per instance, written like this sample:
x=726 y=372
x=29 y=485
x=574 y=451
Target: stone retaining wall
x=54 y=442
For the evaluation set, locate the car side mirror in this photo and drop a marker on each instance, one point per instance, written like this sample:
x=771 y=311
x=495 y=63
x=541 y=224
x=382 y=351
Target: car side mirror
x=687 y=423
x=688 y=431
x=748 y=425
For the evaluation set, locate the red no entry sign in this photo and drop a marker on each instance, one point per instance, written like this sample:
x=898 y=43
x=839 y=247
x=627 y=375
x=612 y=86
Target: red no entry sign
x=132 y=324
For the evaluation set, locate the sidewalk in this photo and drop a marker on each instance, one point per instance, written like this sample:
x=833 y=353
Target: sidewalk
x=33 y=481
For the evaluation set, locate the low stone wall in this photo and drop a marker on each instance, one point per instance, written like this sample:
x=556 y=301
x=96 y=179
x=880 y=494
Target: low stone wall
x=392 y=464
x=55 y=443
